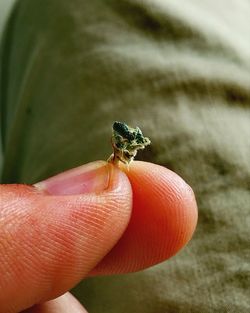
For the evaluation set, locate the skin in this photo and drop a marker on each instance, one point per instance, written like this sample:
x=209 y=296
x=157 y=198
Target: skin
x=50 y=242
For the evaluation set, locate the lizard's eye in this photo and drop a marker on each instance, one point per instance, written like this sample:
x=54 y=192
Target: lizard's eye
x=127 y=154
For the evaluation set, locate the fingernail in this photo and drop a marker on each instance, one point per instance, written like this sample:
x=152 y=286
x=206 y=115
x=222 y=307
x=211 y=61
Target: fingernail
x=91 y=177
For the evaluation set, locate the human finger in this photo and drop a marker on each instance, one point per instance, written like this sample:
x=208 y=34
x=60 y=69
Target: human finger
x=163 y=220
x=54 y=233
x=66 y=303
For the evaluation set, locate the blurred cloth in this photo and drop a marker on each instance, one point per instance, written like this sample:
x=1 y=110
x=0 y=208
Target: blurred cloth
x=180 y=70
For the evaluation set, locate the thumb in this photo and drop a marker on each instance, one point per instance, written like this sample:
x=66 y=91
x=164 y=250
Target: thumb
x=52 y=234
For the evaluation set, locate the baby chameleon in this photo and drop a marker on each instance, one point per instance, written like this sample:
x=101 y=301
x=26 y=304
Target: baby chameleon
x=126 y=141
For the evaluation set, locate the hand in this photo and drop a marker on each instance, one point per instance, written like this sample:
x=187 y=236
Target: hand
x=79 y=224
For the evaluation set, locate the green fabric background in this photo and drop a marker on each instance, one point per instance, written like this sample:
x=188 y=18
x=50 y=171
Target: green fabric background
x=178 y=69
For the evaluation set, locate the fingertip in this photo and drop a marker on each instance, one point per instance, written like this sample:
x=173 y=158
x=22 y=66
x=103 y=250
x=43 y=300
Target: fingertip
x=66 y=303
x=169 y=193
x=163 y=220
x=168 y=202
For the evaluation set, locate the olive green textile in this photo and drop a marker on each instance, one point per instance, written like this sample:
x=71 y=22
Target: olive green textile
x=180 y=70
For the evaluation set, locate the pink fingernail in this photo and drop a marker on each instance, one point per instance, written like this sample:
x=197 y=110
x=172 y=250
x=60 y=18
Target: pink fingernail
x=92 y=177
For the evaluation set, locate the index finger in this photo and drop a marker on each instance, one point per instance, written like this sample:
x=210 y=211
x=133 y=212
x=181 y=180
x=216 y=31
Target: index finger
x=163 y=220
